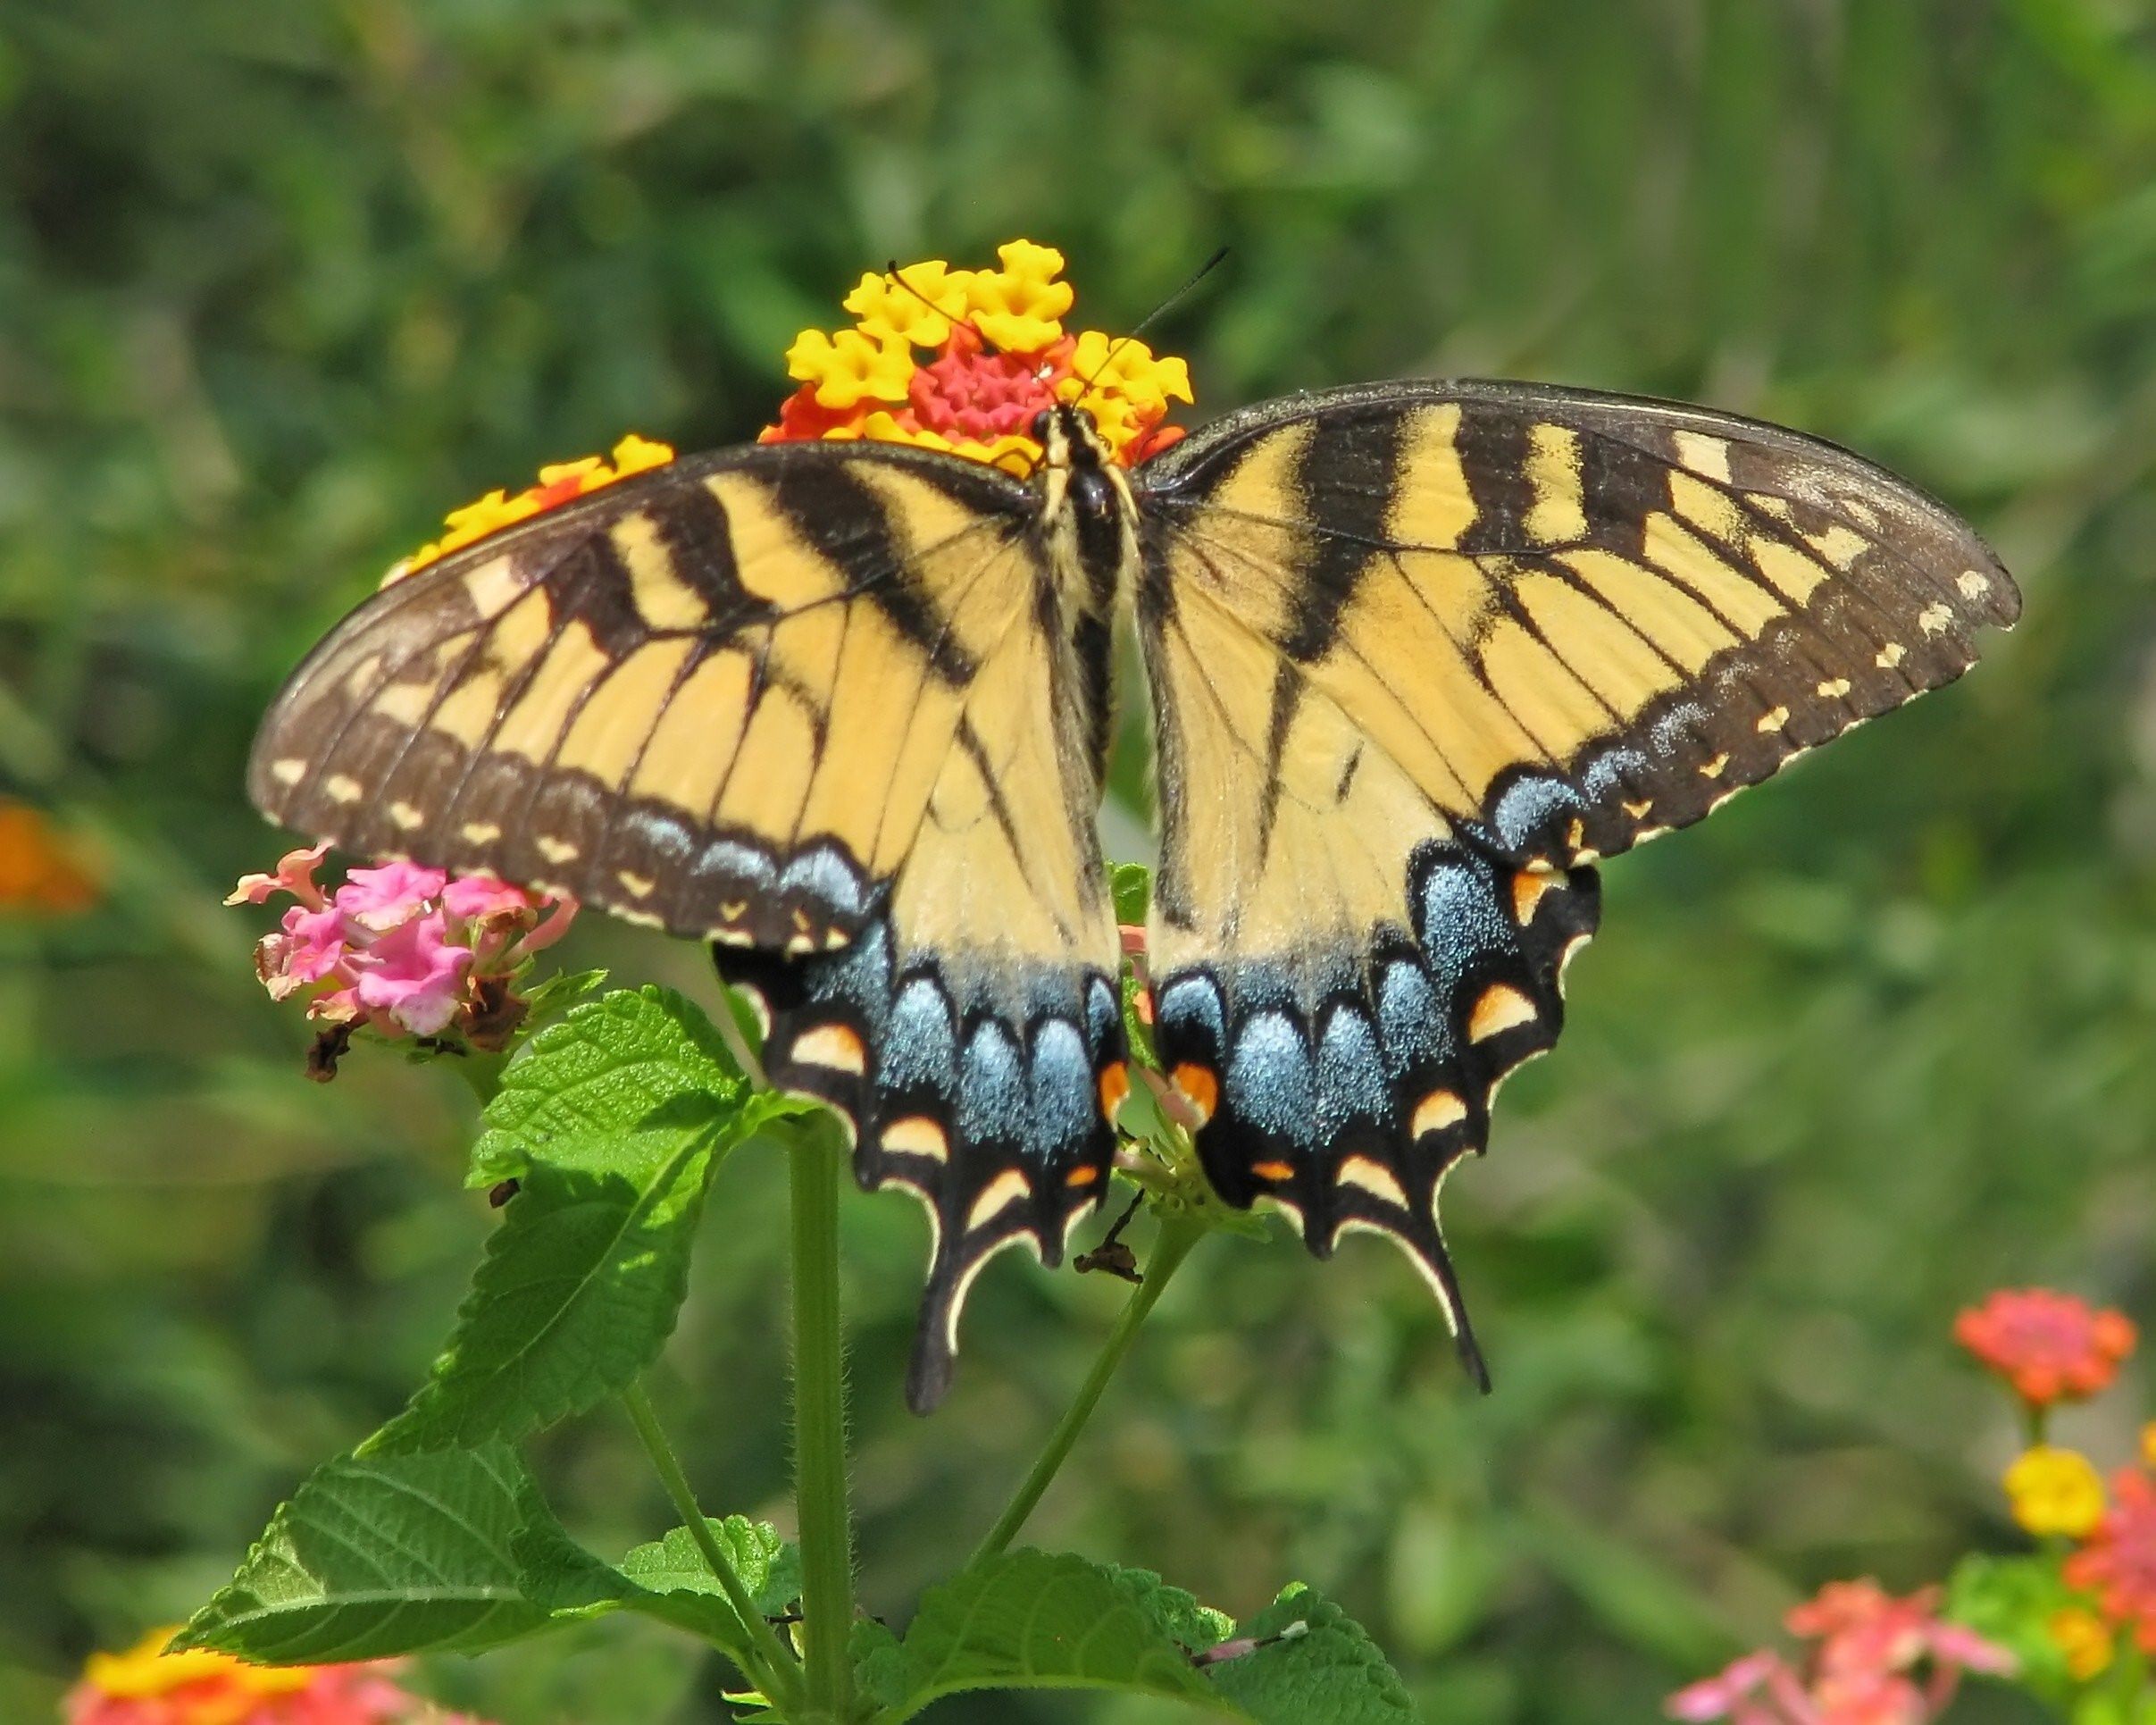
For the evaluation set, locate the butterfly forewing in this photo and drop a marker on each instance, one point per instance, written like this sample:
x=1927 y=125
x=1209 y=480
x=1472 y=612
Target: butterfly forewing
x=1420 y=655
x=817 y=703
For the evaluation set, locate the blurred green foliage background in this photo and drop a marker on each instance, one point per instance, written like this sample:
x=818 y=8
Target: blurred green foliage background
x=278 y=284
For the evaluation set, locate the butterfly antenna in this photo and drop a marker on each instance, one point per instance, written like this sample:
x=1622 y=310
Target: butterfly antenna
x=894 y=273
x=1150 y=318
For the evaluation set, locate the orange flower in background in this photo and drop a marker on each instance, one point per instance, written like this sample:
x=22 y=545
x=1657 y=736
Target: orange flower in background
x=2117 y=1560
x=41 y=872
x=2085 y=1639
x=1001 y=356
x=2049 y=1346
x=148 y=1686
x=558 y=485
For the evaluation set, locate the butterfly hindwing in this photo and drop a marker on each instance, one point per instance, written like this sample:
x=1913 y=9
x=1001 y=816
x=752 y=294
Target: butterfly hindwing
x=814 y=702
x=1420 y=655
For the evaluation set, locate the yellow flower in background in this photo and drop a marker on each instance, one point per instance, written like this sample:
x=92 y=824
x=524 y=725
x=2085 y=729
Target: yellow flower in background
x=148 y=1686
x=963 y=361
x=145 y=1670
x=2084 y=1638
x=557 y=484
x=2148 y=1446
x=2054 y=1491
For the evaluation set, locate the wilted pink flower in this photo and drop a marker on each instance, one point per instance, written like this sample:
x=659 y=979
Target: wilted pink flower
x=402 y=951
x=295 y=875
x=1881 y=1659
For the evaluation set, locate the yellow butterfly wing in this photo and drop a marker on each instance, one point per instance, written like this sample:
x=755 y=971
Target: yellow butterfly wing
x=1420 y=655
x=815 y=703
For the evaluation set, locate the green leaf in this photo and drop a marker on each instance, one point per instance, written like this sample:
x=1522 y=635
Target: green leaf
x=2010 y=1600
x=667 y=1580
x=382 y=1556
x=1130 y=886
x=580 y=1086
x=1030 y=1619
x=613 y=1122
x=1321 y=1666
x=578 y=1292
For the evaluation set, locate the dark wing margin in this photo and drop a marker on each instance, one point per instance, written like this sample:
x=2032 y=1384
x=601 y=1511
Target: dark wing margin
x=1423 y=654
x=808 y=702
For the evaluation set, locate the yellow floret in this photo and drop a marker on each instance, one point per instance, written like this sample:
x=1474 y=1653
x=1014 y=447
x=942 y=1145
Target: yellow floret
x=1128 y=368
x=146 y=1670
x=637 y=455
x=916 y=307
x=850 y=367
x=2054 y=1491
x=1020 y=307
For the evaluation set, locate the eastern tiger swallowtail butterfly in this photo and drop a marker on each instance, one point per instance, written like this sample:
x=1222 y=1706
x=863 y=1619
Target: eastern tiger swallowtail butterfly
x=1420 y=655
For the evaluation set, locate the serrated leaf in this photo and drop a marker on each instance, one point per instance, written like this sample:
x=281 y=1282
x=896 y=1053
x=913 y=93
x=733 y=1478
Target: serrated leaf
x=580 y=1085
x=1032 y=1619
x=769 y=1566
x=667 y=1580
x=580 y=1288
x=1324 y=1668
x=613 y=1122
x=377 y=1556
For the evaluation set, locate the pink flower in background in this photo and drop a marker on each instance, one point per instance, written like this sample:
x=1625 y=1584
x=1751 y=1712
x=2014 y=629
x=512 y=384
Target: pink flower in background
x=401 y=950
x=2117 y=1562
x=1881 y=1659
x=148 y=1686
x=2049 y=1346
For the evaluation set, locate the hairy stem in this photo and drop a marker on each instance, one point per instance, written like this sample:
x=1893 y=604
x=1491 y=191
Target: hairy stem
x=774 y=1670
x=819 y=1416
x=1177 y=1236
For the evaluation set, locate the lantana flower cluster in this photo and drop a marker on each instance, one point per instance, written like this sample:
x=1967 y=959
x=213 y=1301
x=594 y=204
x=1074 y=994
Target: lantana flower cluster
x=401 y=949
x=1876 y=1659
x=1000 y=355
x=2076 y=1616
x=557 y=484
x=2051 y=1348
x=149 y=1685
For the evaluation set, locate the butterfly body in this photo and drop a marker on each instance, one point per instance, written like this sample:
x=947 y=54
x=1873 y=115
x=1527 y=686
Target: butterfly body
x=1419 y=656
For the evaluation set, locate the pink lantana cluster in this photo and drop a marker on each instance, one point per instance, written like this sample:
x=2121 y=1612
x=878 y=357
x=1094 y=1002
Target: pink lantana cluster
x=148 y=1686
x=1880 y=1660
x=402 y=950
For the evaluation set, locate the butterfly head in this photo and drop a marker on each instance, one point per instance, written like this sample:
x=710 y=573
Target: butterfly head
x=1088 y=515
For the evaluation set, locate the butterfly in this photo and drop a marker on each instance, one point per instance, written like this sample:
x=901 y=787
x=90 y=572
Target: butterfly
x=1419 y=655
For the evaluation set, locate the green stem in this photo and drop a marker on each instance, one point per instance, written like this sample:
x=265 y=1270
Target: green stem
x=773 y=1668
x=1177 y=1236
x=819 y=1419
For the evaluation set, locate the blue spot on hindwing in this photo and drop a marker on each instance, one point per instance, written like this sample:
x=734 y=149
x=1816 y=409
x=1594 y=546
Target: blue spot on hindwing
x=1416 y=1030
x=1061 y=1085
x=1268 y=1079
x=1351 y=1084
x=992 y=1093
x=919 y=1050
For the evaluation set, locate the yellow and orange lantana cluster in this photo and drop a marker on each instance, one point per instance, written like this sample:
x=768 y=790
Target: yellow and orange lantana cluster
x=558 y=485
x=149 y=1685
x=1000 y=355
